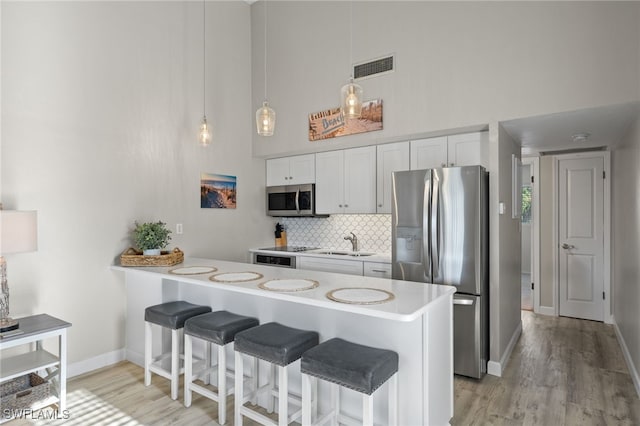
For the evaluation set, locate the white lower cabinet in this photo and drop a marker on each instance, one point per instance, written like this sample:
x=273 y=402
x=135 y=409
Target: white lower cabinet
x=377 y=269
x=350 y=267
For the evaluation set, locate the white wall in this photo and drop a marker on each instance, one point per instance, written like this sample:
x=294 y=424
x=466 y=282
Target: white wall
x=101 y=105
x=626 y=243
x=505 y=246
x=459 y=64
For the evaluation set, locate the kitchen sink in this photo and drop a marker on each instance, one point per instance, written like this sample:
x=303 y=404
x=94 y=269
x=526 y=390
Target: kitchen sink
x=346 y=253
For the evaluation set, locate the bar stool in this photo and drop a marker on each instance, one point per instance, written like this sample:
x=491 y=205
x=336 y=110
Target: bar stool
x=358 y=367
x=171 y=315
x=279 y=345
x=215 y=328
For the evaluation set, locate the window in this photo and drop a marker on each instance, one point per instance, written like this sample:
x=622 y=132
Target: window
x=526 y=203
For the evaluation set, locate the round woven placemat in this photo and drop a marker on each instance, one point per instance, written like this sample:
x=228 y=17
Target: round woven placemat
x=385 y=295
x=193 y=270
x=236 y=277
x=289 y=284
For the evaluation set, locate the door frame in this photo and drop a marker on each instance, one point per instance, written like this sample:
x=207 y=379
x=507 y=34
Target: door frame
x=606 y=267
x=534 y=164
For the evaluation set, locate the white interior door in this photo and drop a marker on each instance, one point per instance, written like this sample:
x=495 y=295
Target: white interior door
x=581 y=237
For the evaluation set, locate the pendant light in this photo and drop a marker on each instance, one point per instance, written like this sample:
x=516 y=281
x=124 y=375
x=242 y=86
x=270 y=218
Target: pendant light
x=204 y=136
x=265 y=116
x=351 y=93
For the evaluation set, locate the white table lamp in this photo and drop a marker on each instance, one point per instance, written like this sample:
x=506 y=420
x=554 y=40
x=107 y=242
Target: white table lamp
x=18 y=234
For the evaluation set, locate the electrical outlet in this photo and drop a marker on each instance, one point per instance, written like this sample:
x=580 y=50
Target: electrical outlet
x=179 y=228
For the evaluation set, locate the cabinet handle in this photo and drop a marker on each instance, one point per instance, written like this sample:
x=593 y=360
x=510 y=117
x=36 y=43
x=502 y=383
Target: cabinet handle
x=290 y=177
x=451 y=164
x=286 y=178
x=346 y=205
x=378 y=270
x=444 y=164
x=339 y=205
x=379 y=205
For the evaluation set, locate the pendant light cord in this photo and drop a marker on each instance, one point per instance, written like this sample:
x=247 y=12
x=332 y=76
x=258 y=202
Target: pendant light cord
x=265 y=50
x=204 y=57
x=351 y=39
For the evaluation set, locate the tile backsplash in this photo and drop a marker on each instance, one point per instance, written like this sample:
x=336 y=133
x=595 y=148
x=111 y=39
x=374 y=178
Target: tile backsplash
x=373 y=231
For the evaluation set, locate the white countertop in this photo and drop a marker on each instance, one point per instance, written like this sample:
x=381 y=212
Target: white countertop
x=377 y=257
x=411 y=300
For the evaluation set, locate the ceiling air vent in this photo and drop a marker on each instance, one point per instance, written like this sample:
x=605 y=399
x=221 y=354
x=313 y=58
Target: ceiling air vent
x=374 y=68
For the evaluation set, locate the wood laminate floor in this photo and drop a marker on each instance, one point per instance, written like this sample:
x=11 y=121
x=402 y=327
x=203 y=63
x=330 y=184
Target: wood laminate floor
x=563 y=371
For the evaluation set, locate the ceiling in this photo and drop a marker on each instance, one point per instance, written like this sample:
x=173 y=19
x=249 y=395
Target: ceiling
x=606 y=126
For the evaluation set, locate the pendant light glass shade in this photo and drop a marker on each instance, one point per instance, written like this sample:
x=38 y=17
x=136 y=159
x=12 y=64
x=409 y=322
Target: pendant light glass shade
x=265 y=115
x=204 y=137
x=265 y=120
x=351 y=94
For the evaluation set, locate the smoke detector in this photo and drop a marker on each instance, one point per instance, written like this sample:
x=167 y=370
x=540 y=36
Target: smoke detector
x=580 y=137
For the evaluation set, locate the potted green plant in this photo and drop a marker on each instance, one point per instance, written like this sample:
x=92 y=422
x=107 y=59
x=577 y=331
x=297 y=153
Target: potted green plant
x=151 y=237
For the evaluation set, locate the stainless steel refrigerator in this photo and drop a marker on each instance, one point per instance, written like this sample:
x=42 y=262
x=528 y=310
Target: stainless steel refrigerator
x=440 y=230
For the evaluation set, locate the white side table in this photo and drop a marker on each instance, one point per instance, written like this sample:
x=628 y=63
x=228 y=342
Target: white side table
x=35 y=329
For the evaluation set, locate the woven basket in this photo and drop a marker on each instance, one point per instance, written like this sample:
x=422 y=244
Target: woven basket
x=132 y=257
x=23 y=392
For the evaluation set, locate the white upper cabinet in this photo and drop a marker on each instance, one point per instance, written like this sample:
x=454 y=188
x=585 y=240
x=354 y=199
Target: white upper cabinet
x=291 y=170
x=346 y=181
x=449 y=151
x=329 y=182
x=391 y=158
x=429 y=153
x=469 y=149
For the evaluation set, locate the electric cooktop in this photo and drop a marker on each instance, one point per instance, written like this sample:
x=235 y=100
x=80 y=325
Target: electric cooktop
x=293 y=249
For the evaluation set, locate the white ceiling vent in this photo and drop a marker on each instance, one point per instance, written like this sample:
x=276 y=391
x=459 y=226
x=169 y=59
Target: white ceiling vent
x=374 y=67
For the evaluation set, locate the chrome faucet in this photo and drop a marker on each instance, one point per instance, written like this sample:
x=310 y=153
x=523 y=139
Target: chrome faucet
x=354 y=241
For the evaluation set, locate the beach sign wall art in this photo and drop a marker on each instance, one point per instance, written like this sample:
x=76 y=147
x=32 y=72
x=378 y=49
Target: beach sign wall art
x=331 y=123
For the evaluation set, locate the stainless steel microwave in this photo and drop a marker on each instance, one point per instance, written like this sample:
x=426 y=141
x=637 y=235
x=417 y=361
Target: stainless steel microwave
x=291 y=200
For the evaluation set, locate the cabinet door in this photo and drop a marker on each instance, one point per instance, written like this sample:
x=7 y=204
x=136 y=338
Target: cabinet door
x=302 y=169
x=391 y=158
x=429 y=153
x=278 y=171
x=330 y=182
x=377 y=269
x=360 y=180
x=350 y=267
x=469 y=149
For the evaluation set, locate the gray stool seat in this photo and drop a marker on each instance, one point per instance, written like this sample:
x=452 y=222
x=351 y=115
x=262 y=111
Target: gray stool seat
x=358 y=367
x=275 y=343
x=218 y=327
x=280 y=346
x=173 y=314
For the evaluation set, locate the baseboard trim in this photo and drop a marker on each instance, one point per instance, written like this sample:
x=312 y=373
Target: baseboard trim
x=135 y=357
x=546 y=310
x=496 y=368
x=94 y=363
x=627 y=357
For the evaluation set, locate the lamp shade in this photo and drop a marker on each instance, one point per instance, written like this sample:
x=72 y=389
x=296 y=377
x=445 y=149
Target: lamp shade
x=18 y=231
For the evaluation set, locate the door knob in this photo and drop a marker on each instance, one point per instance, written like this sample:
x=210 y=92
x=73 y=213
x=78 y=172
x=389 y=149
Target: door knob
x=568 y=246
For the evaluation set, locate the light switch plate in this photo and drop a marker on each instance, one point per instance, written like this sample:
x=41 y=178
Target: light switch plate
x=501 y=208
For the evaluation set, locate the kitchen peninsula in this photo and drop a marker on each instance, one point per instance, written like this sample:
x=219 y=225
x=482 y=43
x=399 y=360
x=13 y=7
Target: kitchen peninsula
x=415 y=320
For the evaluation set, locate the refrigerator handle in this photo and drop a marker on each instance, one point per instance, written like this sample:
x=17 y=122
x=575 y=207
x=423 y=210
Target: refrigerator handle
x=426 y=228
x=434 y=234
x=298 y=200
x=467 y=302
